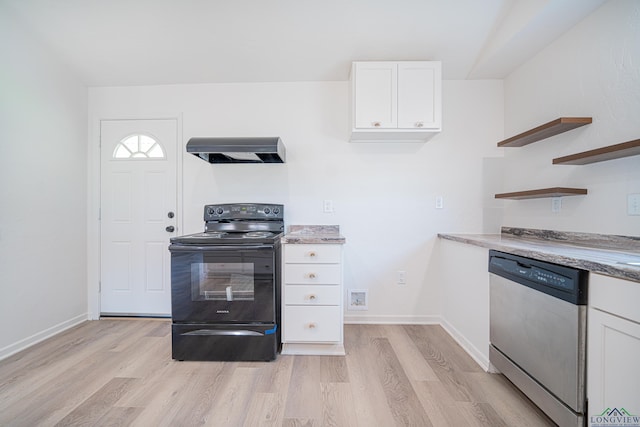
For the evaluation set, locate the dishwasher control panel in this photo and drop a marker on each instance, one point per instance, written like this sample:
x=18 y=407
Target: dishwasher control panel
x=569 y=284
x=551 y=278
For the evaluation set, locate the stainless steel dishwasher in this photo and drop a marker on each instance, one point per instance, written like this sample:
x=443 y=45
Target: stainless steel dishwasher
x=538 y=326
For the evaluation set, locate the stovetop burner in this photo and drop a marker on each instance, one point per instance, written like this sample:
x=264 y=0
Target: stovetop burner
x=257 y=234
x=199 y=237
x=209 y=235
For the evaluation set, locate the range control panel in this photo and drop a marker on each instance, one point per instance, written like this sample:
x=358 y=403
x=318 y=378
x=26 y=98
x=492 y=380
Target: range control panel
x=243 y=211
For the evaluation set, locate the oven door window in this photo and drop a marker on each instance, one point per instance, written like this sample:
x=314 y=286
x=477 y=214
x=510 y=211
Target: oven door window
x=222 y=281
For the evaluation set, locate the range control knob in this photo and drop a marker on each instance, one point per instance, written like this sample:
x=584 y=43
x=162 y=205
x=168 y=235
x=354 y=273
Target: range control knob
x=267 y=211
x=210 y=211
x=276 y=211
x=220 y=211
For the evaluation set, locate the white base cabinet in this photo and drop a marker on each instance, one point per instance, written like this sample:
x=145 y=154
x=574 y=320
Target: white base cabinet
x=312 y=299
x=613 y=368
x=395 y=101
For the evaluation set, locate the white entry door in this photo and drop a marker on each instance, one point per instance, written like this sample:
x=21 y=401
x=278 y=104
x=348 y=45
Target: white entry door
x=137 y=209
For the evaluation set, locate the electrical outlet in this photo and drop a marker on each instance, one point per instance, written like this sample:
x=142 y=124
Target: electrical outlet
x=327 y=206
x=402 y=277
x=633 y=204
x=439 y=202
x=556 y=204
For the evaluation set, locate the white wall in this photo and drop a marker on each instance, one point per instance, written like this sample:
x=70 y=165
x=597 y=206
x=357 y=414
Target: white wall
x=593 y=70
x=383 y=193
x=43 y=128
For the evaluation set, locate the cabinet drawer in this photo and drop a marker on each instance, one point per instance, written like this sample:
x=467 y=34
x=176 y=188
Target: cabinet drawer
x=616 y=296
x=312 y=324
x=326 y=274
x=320 y=254
x=312 y=295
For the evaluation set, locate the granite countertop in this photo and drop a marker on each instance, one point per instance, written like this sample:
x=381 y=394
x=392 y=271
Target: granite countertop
x=598 y=253
x=313 y=234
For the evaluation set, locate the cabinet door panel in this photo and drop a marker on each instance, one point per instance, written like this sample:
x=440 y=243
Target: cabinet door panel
x=418 y=95
x=375 y=95
x=613 y=370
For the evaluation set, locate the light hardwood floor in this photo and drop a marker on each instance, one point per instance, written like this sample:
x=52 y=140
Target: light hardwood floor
x=120 y=372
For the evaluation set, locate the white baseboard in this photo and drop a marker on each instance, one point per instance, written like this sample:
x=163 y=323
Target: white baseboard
x=362 y=319
x=313 y=349
x=471 y=349
x=41 y=336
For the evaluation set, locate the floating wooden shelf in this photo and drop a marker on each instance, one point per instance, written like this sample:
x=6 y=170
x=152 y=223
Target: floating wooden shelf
x=546 y=130
x=617 y=151
x=541 y=193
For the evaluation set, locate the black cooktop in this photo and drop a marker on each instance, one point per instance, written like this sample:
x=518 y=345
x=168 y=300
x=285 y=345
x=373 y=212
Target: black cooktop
x=226 y=238
x=238 y=224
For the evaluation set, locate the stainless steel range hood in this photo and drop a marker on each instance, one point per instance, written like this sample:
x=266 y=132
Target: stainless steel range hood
x=238 y=149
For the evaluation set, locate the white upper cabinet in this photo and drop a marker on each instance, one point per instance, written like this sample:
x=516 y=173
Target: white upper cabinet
x=395 y=101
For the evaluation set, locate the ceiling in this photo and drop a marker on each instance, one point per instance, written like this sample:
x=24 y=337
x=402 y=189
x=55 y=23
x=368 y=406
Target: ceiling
x=148 y=42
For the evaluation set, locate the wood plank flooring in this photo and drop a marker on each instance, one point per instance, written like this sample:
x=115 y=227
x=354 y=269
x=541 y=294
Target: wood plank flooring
x=119 y=372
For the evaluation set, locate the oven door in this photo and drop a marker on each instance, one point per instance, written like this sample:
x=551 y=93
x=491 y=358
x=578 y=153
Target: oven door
x=219 y=284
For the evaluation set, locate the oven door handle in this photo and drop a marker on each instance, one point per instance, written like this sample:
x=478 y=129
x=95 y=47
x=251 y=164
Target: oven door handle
x=224 y=332
x=216 y=248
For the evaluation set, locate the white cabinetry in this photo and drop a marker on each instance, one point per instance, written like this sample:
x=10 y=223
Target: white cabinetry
x=312 y=299
x=395 y=101
x=613 y=370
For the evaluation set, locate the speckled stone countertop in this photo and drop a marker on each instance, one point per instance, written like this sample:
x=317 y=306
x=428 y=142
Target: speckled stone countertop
x=616 y=256
x=312 y=234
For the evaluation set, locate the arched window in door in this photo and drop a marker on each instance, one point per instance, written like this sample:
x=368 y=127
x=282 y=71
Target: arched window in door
x=138 y=146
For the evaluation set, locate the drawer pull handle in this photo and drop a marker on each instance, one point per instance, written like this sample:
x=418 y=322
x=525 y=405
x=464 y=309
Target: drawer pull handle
x=419 y=124
x=312 y=254
x=312 y=325
x=376 y=124
x=312 y=297
x=311 y=275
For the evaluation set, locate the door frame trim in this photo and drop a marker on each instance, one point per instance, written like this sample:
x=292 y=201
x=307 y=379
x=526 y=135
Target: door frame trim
x=93 y=198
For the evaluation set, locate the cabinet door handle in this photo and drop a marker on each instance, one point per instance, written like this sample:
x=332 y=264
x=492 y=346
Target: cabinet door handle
x=312 y=254
x=311 y=325
x=311 y=275
x=419 y=124
x=376 y=124
x=312 y=297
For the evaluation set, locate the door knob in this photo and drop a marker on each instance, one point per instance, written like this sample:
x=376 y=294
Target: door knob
x=171 y=214
x=170 y=229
